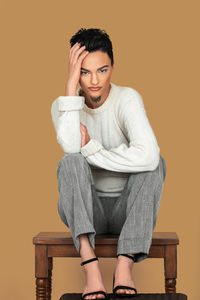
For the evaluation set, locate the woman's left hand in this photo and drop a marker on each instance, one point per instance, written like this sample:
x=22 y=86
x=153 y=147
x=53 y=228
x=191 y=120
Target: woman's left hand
x=85 y=138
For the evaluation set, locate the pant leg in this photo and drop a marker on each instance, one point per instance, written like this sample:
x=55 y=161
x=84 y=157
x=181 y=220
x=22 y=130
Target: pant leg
x=78 y=202
x=135 y=212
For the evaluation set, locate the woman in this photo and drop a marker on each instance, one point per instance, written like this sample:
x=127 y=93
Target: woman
x=111 y=178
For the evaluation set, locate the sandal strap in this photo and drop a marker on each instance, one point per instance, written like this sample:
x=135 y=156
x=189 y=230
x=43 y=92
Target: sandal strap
x=89 y=260
x=127 y=255
x=118 y=287
x=94 y=293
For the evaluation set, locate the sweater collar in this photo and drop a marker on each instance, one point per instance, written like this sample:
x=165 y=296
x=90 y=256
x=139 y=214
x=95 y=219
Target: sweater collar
x=106 y=103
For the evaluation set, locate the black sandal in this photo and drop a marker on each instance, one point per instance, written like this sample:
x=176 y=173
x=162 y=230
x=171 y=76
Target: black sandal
x=124 y=286
x=96 y=292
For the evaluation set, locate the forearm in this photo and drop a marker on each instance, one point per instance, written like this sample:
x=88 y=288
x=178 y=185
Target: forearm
x=66 y=118
x=123 y=158
x=70 y=89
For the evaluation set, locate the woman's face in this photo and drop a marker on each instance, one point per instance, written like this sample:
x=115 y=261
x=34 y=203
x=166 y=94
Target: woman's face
x=96 y=71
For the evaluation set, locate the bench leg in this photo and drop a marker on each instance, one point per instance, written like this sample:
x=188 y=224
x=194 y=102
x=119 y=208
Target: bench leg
x=41 y=288
x=170 y=266
x=49 y=282
x=43 y=273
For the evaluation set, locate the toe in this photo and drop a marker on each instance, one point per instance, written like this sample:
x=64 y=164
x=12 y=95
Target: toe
x=100 y=296
x=120 y=291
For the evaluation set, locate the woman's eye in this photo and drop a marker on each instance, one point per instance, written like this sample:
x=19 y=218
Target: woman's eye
x=84 y=72
x=104 y=70
x=101 y=71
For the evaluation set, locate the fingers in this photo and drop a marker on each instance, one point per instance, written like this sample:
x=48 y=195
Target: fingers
x=83 y=127
x=71 y=52
x=79 y=52
x=85 y=138
x=83 y=134
x=75 y=52
x=82 y=56
x=73 y=47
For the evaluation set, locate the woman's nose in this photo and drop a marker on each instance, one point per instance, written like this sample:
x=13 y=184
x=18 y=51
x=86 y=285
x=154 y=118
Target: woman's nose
x=94 y=79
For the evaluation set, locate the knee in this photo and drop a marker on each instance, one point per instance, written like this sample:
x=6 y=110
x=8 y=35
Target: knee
x=71 y=159
x=160 y=172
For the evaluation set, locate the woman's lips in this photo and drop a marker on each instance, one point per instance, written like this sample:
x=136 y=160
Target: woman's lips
x=94 y=89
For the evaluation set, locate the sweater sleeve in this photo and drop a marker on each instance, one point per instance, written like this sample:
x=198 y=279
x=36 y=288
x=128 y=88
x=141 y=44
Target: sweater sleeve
x=65 y=113
x=142 y=153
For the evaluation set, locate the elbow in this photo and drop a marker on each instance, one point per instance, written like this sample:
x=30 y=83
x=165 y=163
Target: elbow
x=69 y=138
x=152 y=157
x=69 y=147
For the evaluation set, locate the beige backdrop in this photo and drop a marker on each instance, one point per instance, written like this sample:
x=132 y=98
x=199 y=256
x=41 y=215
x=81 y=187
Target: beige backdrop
x=156 y=51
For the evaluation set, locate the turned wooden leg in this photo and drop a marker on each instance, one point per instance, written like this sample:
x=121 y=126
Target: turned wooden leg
x=170 y=285
x=43 y=270
x=43 y=285
x=170 y=266
x=41 y=288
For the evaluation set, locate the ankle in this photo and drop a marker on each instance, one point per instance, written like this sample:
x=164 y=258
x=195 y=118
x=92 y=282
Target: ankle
x=91 y=267
x=120 y=256
x=86 y=251
x=124 y=261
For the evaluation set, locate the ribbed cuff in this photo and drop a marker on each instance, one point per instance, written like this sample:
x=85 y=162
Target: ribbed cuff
x=70 y=103
x=91 y=148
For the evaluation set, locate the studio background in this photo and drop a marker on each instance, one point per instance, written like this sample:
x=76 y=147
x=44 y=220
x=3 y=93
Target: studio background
x=156 y=52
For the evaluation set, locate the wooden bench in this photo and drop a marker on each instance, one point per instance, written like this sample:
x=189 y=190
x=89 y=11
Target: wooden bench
x=60 y=244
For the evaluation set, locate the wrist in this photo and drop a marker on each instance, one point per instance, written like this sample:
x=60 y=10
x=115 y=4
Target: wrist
x=70 y=89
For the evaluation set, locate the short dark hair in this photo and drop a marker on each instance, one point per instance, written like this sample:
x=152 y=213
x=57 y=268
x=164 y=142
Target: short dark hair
x=94 y=39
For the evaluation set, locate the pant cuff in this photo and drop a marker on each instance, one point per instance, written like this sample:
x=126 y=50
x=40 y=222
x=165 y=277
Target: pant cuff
x=137 y=246
x=91 y=236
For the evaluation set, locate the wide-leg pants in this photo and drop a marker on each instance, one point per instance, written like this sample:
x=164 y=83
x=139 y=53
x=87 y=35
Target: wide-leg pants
x=132 y=215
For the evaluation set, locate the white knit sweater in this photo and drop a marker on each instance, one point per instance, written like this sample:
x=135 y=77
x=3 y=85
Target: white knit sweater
x=121 y=138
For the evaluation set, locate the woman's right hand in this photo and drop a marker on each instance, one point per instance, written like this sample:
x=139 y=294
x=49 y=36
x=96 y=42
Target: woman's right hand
x=76 y=56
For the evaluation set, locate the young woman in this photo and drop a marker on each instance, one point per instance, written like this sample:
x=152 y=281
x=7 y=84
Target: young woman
x=111 y=177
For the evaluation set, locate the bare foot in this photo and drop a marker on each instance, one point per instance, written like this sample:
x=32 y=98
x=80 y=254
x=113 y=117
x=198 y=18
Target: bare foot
x=123 y=274
x=94 y=281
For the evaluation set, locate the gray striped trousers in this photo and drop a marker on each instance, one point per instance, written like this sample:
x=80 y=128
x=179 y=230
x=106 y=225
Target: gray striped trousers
x=132 y=215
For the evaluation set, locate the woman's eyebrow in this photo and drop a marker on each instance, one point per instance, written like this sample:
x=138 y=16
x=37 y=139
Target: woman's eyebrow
x=97 y=69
